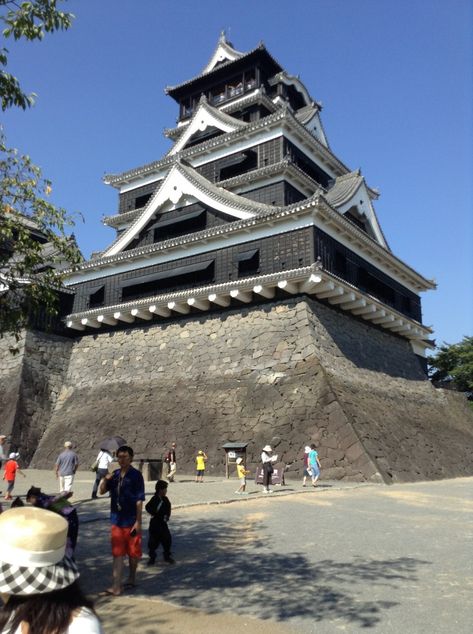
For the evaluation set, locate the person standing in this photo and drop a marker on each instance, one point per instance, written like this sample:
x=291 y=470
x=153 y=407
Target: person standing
x=127 y=494
x=104 y=459
x=10 y=470
x=242 y=472
x=170 y=460
x=267 y=460
x=200 y=461
x=66 y=467
x=3 y=440
x=305 y=462
x=159 y=507
x=314 y=465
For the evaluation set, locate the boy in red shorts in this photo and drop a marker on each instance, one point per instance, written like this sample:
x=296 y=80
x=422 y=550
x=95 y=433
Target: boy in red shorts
x=11 y=468
x=127 y=494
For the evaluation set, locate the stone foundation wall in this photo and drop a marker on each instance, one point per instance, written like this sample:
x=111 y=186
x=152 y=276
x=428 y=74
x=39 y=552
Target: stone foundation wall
x=10 y=381
x=286 y=373
x=30 y=382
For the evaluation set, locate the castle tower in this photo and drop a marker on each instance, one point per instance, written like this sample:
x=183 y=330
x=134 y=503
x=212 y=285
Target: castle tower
x=249 y=204
x=249 y=294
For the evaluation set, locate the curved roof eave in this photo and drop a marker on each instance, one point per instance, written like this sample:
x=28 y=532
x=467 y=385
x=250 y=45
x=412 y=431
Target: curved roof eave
x=283 y=114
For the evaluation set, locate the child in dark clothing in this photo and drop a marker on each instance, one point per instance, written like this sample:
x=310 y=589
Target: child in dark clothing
x=159 y=507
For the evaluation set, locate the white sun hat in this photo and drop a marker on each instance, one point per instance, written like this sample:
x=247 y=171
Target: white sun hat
x=32 y=547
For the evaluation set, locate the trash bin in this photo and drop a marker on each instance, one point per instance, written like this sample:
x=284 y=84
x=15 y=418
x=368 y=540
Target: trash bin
x=155 y=469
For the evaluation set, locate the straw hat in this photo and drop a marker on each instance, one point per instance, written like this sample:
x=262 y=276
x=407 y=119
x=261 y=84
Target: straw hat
x=32 y=546
x=267 y=448
x=68 y=443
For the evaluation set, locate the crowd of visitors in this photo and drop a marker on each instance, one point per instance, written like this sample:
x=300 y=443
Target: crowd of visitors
x=38 y=573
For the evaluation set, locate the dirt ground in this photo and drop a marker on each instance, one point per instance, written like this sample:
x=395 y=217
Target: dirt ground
x=152 y=616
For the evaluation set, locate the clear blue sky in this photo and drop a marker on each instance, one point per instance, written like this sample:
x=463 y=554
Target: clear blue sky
x=395 y=79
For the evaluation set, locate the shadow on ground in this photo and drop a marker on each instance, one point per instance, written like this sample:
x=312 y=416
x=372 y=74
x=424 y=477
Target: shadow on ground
x=226 y=567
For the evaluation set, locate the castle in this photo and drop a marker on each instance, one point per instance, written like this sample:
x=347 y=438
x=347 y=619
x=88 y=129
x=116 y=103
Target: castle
x=249 y=295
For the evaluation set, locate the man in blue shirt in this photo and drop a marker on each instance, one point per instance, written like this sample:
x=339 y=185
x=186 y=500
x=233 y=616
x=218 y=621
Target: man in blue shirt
x=127 y=494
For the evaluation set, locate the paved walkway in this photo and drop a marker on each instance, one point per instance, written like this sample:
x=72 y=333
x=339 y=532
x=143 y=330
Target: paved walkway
x=183 y=493
x=341 y=557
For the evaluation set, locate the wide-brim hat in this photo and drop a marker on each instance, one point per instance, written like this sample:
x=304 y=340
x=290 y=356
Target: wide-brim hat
x=267 y=448
x=307 y=449
x=14 y=455
x=32 y=547
x=239 y=460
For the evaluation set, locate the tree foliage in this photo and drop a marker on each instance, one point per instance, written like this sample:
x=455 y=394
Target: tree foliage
x=34 y=246
x=453 y=363
x=30 y=21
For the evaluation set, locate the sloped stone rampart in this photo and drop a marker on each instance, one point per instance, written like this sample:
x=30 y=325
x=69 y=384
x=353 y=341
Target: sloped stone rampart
x=288 y=373
x=10 y=381
x=30 y=382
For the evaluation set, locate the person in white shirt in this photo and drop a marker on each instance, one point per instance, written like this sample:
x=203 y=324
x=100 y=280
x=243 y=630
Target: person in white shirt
x=267 y=459
x=104 y=459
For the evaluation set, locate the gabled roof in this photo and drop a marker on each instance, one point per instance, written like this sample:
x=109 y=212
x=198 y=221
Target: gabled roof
x=281 y=116
x=309 y=117
x=224 y=51
x=292 y=80
x=351 y=190
x=286 y=167
x=183 y=182
x=344 y=188
x=206 y=116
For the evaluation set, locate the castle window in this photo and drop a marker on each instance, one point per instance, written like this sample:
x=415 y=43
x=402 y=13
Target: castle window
x=356 y=219
x=141 y=201
x=184 y=223
x=248 y=263
x=375 y=287
x=186 y=108
x=173 y=279
x=96 y=296
x=406 y=305
x=239 y=164
x=340 y=263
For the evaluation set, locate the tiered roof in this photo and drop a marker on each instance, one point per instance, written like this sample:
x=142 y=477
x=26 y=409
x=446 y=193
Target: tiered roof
x=178 y=184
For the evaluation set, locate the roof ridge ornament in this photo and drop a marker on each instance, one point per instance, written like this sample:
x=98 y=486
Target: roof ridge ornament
x=224 y=52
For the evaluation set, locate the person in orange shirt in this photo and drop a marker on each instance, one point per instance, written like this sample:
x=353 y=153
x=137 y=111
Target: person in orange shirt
x=9 y=474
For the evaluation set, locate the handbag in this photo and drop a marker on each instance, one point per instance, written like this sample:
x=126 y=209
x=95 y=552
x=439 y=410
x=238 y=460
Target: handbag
x=95 y=465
